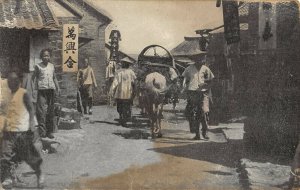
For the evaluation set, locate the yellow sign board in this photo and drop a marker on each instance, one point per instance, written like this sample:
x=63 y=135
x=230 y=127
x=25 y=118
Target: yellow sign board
x=70 y=47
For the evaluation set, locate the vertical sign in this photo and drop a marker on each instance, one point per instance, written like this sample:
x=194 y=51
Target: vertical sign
x=231 y=21
x=115 y=37
x=267 y=25
x=70 y=47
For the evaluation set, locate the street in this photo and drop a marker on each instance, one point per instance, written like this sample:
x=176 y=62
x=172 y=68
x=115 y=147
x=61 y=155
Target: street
x=104 y=155
x=68 y=67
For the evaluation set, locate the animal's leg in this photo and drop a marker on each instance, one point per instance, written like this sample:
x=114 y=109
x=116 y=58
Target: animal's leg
x=155 y=129
x=160 y=109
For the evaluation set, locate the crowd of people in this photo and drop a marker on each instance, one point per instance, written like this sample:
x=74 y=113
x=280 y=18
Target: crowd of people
x=196 y=83
x=29 y=110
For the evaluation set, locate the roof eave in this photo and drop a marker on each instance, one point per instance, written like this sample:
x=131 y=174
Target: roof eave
x=107 y=17
x=70 y=8
x=48 y=28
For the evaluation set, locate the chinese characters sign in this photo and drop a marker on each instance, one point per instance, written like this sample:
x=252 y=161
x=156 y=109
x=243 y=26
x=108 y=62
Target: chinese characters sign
x=231 y=21
x=70 y=47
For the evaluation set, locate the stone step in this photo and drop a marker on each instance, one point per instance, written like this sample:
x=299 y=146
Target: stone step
x=68 y=124
x=265 y=175
x=69 y=119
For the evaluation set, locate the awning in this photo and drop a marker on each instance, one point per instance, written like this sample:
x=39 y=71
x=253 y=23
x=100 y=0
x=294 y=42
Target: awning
x=189 y=47
x=84 y=39
x=29 y=14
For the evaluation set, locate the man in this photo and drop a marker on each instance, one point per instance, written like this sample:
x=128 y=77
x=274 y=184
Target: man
x=17 y=144
x=46 y=83
x=86 y=81
x=110 y=74
x=122 y=89
x=197 y=81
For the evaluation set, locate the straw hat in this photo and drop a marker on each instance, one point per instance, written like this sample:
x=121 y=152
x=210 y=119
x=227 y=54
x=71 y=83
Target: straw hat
x=126 y=60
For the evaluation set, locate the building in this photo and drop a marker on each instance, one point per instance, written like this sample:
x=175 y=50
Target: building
x=263 y=74
x=228 y=62
x=272 y=73
x=28 y=26
x=187 y=52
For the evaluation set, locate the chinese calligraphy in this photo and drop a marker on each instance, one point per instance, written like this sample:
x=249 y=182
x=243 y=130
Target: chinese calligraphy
x=70 y=47
x=70 y=62
x=71 y=33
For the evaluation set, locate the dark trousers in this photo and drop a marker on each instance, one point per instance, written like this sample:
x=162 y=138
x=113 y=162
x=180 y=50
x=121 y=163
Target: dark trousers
x=17 y=147
x=86 y=92
x=45 y=111
x=124 y=108
x=195 y=111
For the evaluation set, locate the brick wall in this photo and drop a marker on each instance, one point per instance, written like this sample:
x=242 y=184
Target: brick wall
x=95 y=50
x=272 y=104
x=94 y=26
x=67 y=81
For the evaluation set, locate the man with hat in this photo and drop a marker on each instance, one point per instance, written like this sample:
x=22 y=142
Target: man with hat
x=122 y=89
x=197 y=80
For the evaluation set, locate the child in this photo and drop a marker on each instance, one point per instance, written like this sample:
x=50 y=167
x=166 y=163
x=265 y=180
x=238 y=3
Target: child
x=17 y=143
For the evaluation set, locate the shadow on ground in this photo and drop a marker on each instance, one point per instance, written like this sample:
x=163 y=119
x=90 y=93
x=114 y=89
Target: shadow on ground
x=218 y=172
x=133 y=134
x=225 y=154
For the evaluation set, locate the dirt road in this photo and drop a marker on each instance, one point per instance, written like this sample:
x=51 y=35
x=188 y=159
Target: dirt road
x=104 y=155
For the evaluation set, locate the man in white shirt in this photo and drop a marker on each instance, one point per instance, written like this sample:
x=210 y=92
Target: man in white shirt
x=197 y=80
x=109 y=77
x=122 y=89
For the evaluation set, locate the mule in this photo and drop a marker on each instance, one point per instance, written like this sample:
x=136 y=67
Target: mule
x=153 y=96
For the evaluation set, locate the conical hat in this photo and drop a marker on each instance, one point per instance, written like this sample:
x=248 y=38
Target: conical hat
x=126 y=60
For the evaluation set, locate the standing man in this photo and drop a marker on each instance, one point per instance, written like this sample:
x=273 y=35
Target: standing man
x=197 y=81
x=110 y=74
x=86 y=81
x=122 y=89
x=17 y=143
x=46 y=83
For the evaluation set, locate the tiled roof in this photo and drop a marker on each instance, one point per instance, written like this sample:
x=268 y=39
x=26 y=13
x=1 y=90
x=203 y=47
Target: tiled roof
x=29 y=14
x=188 y=47
x=98 y=10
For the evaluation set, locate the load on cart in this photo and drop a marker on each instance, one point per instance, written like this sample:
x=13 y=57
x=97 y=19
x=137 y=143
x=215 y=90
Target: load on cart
x=157 y=83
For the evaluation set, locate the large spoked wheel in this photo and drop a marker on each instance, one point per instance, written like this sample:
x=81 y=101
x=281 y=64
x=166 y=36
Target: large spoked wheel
x=156 y=55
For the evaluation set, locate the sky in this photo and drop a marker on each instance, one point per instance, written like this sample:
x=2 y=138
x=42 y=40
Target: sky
x=163 y=22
